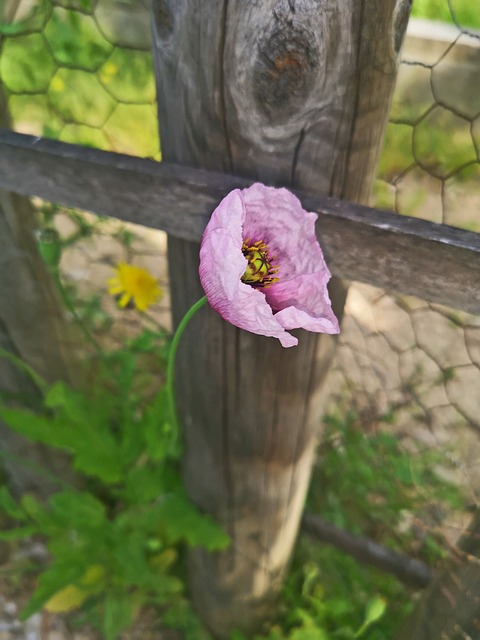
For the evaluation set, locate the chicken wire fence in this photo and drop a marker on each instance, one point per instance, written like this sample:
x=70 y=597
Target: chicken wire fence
x=81 y=71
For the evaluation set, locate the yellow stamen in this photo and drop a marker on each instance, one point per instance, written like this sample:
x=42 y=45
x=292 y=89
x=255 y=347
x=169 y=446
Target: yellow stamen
x=259 y=272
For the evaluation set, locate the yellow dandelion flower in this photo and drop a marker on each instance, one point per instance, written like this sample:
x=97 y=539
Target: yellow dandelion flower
x=134 y=284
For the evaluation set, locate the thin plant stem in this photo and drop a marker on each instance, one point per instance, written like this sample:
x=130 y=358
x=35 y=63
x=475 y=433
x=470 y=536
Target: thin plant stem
x=173 y=351
x=150 y=318
x=66 y=301
x=23 y=366
x=39 y=469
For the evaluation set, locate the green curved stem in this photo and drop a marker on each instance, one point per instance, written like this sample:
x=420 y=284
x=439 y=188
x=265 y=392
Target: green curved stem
x=173 y=352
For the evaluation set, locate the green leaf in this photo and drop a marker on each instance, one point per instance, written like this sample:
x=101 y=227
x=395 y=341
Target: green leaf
x=78 y=509
x=375 y=609
x=96 y=452
x=159 y=430
x=129 y=554
x=34 y=509
x=9 y=505
x=144 y=484
x=403 y=469
x=181 y=520
x=76 y=407
x=308 y=634
x=100 y=460
x=118 y=610
x=18 y=533
x=37 y=428
x=60 y=574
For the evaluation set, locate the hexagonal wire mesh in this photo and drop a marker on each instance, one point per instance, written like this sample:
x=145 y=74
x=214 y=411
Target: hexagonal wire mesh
x=81 y=71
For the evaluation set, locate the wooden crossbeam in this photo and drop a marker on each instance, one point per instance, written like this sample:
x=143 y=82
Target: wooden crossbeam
x=398 y=253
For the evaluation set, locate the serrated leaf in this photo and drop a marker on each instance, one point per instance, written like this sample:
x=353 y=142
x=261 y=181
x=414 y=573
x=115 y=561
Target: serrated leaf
x=95 y=450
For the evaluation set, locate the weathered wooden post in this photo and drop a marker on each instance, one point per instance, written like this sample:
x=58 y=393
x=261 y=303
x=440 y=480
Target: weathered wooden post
x=293 y=93
x=33 y=327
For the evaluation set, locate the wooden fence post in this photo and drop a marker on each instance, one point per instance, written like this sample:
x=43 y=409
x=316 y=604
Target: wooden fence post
x=33 y=327
x=287 y=92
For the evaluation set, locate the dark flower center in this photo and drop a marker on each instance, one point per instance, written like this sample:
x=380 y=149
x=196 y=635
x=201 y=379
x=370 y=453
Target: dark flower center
x=259 y=272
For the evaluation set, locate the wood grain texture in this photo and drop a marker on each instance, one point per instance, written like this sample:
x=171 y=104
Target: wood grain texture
x=398 y=253
x=290 y=92
x=32 y=327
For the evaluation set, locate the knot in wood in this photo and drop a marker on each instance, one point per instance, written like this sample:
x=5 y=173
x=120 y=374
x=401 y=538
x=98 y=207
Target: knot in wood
x=284 y=71
x=163 y=19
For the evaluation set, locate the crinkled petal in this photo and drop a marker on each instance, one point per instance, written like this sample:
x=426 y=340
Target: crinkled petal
x=300 y=297
x=276 y=217
x=304 y=302
x=222 y=265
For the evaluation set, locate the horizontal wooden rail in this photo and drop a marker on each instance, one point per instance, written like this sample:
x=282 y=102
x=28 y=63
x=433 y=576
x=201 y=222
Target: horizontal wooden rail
x=410 y=571
x=398 y=253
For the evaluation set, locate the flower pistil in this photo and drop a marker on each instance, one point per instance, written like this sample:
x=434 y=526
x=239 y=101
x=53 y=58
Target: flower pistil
x=259 y=272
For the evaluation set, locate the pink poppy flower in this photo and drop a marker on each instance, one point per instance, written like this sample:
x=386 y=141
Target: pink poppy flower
x=262 y=268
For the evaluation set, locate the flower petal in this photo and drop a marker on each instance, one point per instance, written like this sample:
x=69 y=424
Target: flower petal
x=277 y=218
x=304 y=302
x=114 y=289
x=124 y=300
x=300 y=298
x=222 y=265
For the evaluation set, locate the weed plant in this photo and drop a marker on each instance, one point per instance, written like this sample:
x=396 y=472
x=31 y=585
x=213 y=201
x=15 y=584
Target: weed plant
x=367 y=483
x=116 y=539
